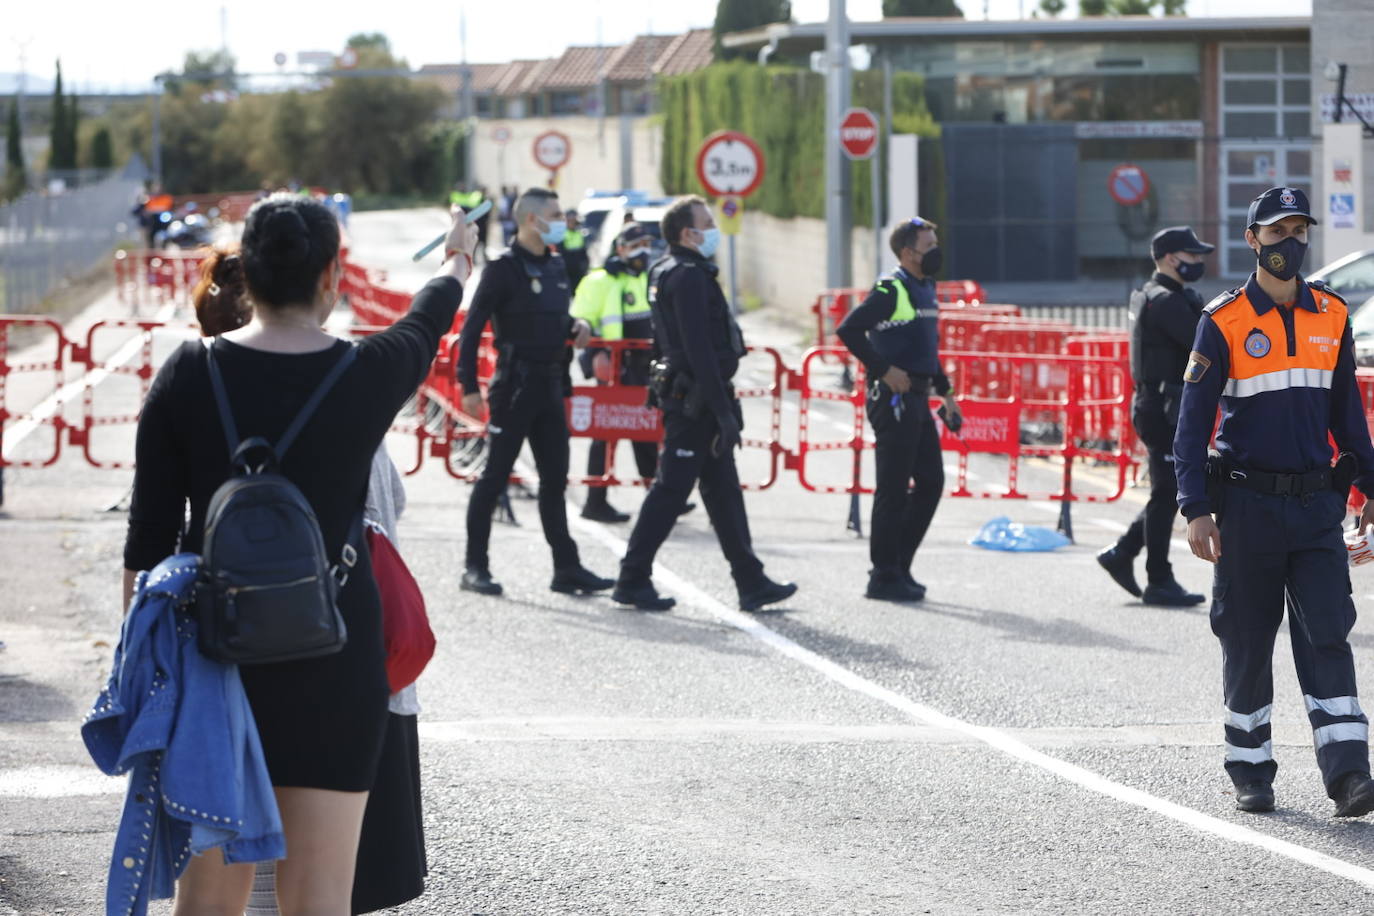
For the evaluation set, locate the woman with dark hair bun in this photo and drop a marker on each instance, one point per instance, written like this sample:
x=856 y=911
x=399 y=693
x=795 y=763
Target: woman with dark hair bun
x=321 y=720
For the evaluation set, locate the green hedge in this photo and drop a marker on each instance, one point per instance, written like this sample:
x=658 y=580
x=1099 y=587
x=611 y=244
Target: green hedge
x=783 y=109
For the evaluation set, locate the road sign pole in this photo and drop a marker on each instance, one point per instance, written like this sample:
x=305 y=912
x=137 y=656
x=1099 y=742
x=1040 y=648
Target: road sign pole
x=837 y=257
x=734 y=279
x=874 y=167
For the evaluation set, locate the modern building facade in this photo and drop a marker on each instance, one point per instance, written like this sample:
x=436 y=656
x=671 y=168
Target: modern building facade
x=1036 y=114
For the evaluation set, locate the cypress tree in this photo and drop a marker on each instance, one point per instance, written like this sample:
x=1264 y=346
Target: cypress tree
x=15 y=179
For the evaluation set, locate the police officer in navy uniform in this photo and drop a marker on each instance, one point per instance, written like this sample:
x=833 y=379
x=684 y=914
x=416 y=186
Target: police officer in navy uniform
x=526 y=295
x=1278 y=356
x=895 y=334
x=1164 y=316
x=699 y=346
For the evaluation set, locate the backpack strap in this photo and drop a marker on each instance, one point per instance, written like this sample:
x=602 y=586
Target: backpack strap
x=345 y=360
x=226 y=415
x=348 y=556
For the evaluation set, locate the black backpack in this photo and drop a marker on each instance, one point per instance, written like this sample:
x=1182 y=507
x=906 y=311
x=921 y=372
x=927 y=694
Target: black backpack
x=267 y=592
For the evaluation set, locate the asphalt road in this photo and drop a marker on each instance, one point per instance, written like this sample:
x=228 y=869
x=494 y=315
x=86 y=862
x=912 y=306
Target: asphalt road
x=1028 y=739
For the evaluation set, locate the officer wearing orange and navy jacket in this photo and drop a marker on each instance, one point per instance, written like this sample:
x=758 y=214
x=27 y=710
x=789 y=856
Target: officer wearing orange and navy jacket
x=1278 y=356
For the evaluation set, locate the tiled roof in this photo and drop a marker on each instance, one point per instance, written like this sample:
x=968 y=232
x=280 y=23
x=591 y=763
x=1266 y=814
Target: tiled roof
x=634 y=62
x=579 y=68
x=449 y=78
x=528 y=78
x=688 y=53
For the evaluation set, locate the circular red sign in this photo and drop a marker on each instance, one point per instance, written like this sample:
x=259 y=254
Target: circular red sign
x=859 y=133
x=730 y=163
x=552 y=150
x=1128 y=184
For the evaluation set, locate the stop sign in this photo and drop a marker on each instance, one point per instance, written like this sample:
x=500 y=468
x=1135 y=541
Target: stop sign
x=859 y=133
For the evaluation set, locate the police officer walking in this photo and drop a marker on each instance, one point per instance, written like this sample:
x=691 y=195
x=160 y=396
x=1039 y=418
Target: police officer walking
x=614 y=300
x=700 y=347
x=895 y=333
x=1278 y=356
x=574 y=249
x=525 y=294
x=1164 y=316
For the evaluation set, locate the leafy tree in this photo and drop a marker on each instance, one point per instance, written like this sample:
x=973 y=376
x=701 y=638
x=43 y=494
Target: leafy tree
x=893 y=9
x=1052 y=8
x=739 y=15
x=203 y=71
x=102 y=149
x=15 y=177
x=1092 y=7
x=1131 y=7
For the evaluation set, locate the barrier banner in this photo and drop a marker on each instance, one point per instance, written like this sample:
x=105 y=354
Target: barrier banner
x=619 y=412
x=989 y=426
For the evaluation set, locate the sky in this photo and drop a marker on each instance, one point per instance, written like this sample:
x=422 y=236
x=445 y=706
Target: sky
x=119 y=46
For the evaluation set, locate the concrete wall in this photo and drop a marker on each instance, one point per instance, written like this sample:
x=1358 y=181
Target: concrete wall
x=596 y=154
x=1341 y=32
x=782 y=262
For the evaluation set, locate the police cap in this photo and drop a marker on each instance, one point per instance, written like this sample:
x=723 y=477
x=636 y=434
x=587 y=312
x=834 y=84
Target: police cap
x=1178 y=238
x=1279 y=203
x=632 y=232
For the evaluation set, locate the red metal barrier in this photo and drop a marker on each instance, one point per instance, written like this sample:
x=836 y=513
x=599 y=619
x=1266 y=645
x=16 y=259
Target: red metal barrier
x=152 y=277
x=23 y=422
x=1095 y=387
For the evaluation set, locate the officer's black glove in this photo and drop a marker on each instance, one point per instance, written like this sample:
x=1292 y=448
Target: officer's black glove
x=728 y=436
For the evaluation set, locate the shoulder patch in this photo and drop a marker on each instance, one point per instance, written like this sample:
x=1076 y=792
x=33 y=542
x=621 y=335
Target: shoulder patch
x=1220 y=302
x=1197 y=367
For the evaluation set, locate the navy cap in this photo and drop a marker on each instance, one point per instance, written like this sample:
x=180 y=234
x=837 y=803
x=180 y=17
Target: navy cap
x=1276 y=204
x=1178 y=238
x=632 y=232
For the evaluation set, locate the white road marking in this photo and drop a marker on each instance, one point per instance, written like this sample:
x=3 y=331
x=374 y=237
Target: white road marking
x=995 y=738
x=58 y=782
x=55 y=401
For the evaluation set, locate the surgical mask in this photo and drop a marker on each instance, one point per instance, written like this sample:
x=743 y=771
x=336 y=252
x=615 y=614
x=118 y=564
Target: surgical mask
x=1191 y=271
x=554 y=234
x=1282 y=259
x=710 y=241
x=932 y=261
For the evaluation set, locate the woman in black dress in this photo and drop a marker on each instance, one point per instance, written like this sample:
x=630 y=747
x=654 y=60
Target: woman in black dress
x=321 y=720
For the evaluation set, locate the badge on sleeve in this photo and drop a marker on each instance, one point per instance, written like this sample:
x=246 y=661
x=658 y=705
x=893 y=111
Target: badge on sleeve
x=1257 y=344
x=1197 y=367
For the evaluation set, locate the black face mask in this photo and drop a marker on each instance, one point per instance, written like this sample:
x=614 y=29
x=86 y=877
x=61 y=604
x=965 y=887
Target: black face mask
x=638 y=263
x=1282 y=259
x=1190 y=272
x=932 y=261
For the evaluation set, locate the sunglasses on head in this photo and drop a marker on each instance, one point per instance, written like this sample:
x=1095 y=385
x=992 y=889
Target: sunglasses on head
x=918 y=222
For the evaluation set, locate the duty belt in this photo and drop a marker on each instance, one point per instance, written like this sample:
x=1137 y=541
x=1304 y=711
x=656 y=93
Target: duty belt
x=1278 y=484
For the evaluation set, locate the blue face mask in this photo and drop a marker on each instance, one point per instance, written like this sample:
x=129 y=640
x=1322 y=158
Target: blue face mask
x=558 y=228
x=710 y=241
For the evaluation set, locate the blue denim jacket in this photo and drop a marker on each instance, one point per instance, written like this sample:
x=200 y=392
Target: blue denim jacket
x=179 y=723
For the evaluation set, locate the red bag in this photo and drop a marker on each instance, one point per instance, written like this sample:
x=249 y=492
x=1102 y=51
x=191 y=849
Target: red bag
x=405 y=625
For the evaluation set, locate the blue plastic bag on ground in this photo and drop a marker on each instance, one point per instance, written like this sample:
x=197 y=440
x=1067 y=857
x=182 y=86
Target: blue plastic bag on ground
x=1003 y=534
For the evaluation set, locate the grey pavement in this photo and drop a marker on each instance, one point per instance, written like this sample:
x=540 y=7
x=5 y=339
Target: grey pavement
x=1028 y=739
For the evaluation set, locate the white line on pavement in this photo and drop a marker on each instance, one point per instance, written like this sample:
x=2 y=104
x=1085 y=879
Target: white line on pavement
x=55 y=401
x=994 y=738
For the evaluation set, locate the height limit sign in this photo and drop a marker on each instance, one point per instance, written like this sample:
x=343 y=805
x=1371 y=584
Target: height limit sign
x=730 y=163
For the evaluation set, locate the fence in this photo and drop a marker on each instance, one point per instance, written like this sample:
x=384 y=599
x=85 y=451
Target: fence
x=46 y=239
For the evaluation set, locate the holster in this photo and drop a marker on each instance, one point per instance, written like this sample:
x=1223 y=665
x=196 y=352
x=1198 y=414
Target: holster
x=1172 y=395
x=1215 y=475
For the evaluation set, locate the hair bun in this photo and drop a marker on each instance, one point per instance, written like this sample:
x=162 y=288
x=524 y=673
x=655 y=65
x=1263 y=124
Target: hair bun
x=286 y=240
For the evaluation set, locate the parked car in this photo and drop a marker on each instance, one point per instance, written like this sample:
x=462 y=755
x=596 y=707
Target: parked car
x=648 y=214
x=593 y=209
x=1352 y=276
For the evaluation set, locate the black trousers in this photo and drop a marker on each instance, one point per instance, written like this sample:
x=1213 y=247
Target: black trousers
x=1153 y=527
x=1272 y=548
x=524 y=406
x=646 y=462
x=687 y=461
x=907 y=452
